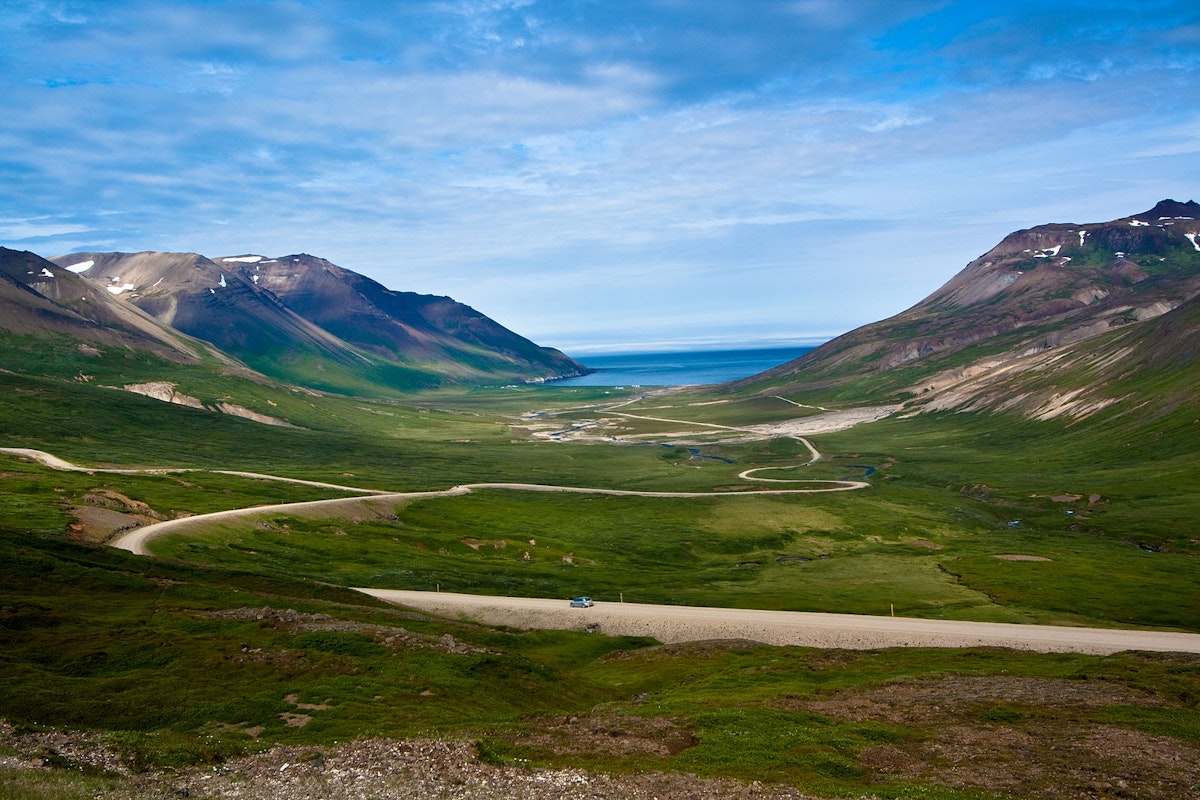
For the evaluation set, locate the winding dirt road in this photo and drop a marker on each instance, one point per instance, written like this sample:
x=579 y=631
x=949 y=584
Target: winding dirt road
x=378 y=503
x=347 y=508
x=382 y=504
x=54 y=462
x=666 y=623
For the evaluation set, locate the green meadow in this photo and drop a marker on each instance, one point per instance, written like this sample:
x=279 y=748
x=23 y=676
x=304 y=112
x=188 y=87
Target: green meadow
x=176 y=664
x=168 y=657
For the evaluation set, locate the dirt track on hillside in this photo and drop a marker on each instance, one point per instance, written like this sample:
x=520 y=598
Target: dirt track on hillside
x=668 y=624
x=672 y=624
x=381 y=504
x=348 y=507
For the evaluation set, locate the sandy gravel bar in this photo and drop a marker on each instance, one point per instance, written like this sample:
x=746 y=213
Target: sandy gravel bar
x=671 y=624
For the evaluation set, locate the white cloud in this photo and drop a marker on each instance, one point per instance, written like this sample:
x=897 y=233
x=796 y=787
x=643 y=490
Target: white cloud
x=44 y=227
x=718 y=159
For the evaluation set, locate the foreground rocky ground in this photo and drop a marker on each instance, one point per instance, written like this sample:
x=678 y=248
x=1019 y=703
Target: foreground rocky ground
x=382 y=769
x=1007 y=736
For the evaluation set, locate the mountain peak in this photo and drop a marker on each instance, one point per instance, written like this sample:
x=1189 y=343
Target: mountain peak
x=1036 y=297
x=304 y=319
x=1174 y=208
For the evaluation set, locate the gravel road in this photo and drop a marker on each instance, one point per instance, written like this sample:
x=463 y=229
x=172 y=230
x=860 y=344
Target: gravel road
x=671 y=624
x=342 y=508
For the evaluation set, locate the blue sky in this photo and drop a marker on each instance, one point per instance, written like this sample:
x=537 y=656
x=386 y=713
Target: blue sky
x=598 y=174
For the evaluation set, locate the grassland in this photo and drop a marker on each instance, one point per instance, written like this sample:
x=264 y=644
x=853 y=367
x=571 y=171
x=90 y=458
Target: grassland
x=178 y=664
x=174 y=659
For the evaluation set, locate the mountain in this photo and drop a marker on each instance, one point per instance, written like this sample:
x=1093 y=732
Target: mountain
x=303 y=319
x=39 y=298
x=1047 y=323
x=190 y=293
x=397 y=325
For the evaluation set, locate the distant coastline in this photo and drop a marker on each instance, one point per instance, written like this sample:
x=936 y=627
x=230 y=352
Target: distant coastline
x=680 y=368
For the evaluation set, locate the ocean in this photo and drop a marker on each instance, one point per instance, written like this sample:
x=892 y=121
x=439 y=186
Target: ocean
x=680 y=369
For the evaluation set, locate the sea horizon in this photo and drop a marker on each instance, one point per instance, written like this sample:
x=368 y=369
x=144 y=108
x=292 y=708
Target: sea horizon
x=681 y=367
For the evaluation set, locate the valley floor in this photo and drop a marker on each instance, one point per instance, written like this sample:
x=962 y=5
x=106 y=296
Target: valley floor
x=967 y=725
x=670 y=623
x=673 y=624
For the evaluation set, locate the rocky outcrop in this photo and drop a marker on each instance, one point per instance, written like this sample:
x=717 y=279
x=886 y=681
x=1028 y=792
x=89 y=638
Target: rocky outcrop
x=161 y=390
x=166 y=392
x=234 y=410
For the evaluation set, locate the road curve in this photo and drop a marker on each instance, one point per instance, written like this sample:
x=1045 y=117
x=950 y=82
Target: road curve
x=665 y=623
x=827 y=486
x=43 y=458
x=54 y=462
x=672 y=624
x=135 y=540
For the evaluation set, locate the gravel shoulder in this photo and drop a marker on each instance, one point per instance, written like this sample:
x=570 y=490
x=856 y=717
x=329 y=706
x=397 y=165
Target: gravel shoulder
x=674 y=624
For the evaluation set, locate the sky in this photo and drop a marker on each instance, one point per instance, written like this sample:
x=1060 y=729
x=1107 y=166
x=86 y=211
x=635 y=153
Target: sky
x=598 y=175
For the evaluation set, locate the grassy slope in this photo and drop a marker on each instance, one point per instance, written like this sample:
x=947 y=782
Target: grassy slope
x=95 y=638
x=148 y=653
x=946 y=491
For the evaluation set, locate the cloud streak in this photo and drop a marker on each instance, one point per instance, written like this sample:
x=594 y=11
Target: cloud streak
x=597 y=174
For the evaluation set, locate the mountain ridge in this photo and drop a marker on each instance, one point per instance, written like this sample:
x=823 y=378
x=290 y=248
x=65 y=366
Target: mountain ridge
x=1002 y=333
x=304 y=319
x=387 y=322
x=39 y=297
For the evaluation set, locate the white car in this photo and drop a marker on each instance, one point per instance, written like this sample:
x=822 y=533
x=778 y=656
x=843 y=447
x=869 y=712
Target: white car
x=582 y=602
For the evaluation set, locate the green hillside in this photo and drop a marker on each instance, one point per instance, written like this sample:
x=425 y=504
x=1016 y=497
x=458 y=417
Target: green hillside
x=171 y=660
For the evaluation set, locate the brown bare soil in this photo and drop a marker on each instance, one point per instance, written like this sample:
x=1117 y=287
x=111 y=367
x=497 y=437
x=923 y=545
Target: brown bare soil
x=390 y=636
x=1024 y=737
x=611 y=734
x=94 y=524
x=103 y=513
